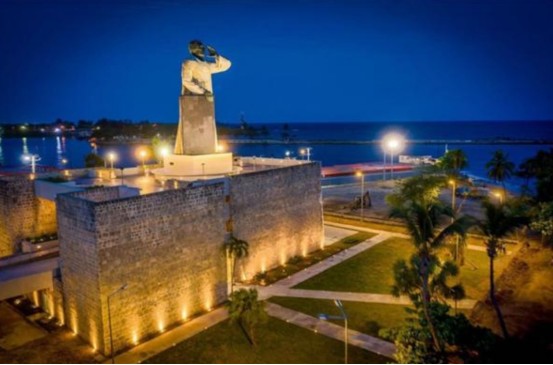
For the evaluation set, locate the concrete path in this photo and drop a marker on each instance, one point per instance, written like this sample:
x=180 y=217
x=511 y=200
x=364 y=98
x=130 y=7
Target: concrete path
x=170 y=338
x=333 y=234
x=331 y=330
x=280 y=291
x=395 y=234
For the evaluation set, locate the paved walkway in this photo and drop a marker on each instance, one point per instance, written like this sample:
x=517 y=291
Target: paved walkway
x=281 y=291
x=170 y=338
x=331 y=330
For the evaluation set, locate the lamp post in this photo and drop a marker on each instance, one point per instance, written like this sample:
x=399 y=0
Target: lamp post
x=143 y=155
x=362 y=175
x=287 y=154
x=163 y=152
x=499 y=196
x=344 y=318
x=118 y=290
x=384 y=167
x=392 y=144
x=111 y=158
x=306 y=151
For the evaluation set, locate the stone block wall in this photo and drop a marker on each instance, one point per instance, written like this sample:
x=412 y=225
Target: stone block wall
x=279 y=213
x=167 y=247
x=79 y=264
x=19 y=213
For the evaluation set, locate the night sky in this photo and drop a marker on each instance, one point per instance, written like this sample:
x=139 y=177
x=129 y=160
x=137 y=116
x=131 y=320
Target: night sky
x=385 y=60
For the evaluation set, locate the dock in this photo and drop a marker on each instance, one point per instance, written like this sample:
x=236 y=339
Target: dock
x=365 y=168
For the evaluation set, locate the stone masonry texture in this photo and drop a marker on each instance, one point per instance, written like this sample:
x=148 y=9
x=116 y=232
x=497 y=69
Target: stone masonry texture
x=22 y=214
x=167 y=247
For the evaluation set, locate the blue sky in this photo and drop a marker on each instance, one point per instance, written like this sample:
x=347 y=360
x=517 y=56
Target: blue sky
x=293 y=61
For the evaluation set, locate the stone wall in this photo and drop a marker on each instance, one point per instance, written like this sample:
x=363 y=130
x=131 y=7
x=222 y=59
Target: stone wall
x=79 y=264
x=167 y=247
x=279 y=213
x=18 y=208
x=45 y=216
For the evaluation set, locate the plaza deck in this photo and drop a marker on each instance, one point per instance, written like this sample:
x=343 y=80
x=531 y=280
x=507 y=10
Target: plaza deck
x=366 y=168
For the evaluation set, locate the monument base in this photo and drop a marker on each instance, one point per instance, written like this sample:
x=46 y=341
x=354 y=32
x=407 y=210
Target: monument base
x=195 y=165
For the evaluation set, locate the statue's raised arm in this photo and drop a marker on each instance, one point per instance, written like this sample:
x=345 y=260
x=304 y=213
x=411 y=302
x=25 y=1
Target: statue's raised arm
x=196 y=73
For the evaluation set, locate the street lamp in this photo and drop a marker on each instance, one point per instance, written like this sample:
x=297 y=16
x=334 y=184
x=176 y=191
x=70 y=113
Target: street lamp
x=33 y=159
x=499 y=196
x=306 y=151
x=143 y=154
x=163 y=152
x=362 y=176
x=118 y=290
x=343 y=317
x=393 y=143
x=287 y=154
x=111 y=158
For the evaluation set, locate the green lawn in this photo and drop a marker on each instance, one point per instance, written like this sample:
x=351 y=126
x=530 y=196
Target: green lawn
x=367 y=318
x=278 y=342
x=371 y=270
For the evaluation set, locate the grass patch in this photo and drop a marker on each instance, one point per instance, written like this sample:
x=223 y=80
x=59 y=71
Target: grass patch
x=298 y=263
x=372 y=271
x=367 y=318
x=277 y=342
x=368 y=272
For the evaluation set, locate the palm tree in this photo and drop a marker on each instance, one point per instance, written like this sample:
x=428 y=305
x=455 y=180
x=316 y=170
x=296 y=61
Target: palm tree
x=245 y=308
x=500 y=168
x=452 y=163
x=499 y=222
x=422 y=222
x=235 y=249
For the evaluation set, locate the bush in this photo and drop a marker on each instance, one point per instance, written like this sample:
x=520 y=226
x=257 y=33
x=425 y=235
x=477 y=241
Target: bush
x=93 y=160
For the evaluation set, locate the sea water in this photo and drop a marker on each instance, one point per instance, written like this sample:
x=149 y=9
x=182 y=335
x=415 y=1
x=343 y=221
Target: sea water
x=53 y=151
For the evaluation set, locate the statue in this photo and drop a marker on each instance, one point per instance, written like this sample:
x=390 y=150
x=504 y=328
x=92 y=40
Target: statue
x=196 y=73
x=197 y=133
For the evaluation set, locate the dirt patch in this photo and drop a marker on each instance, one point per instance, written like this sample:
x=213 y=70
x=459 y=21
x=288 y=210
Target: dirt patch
x=525 y=294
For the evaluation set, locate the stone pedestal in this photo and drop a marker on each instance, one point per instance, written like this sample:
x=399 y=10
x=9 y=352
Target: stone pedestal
x=196 y=134
x=195 y=165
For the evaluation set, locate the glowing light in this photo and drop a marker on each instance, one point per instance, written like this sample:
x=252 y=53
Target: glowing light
x=393 y=143
x=135 y=338
x=164 y=151
x=184 y=314
x=358 y=173
x=220 y=148
x=451 y=181
x=287 y=153
x=160 y=326
x=112 y=156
